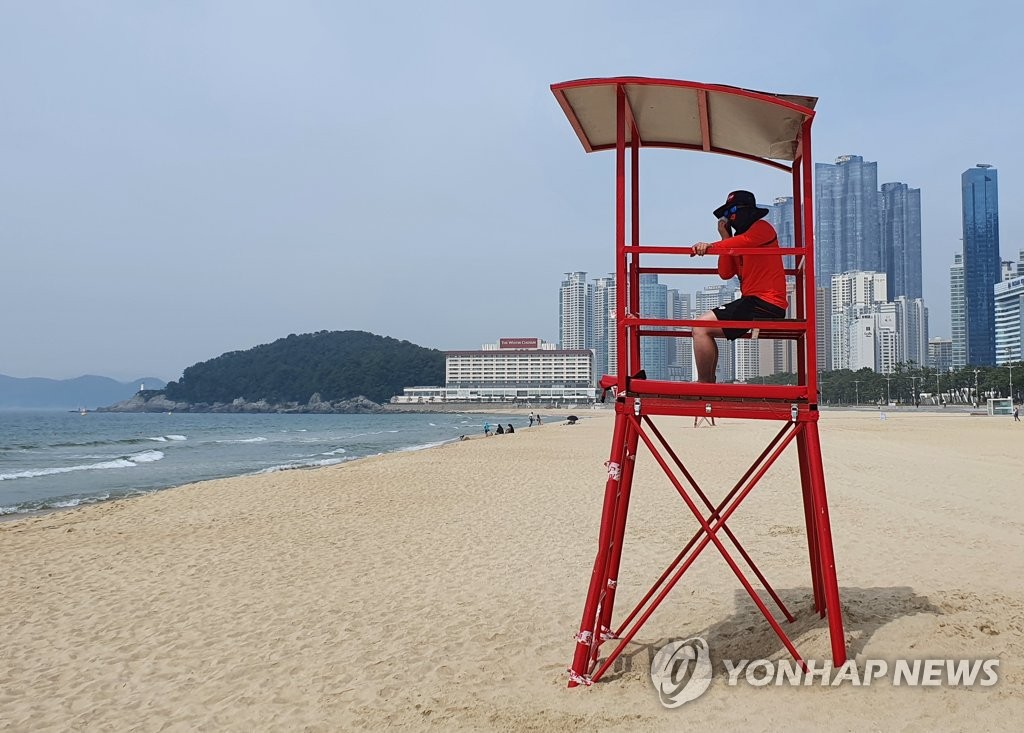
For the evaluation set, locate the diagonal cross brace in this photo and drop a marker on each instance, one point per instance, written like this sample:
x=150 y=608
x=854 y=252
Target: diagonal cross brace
x=710 y=534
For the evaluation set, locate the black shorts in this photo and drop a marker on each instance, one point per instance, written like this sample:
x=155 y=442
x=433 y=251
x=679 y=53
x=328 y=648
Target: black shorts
x=747 y=308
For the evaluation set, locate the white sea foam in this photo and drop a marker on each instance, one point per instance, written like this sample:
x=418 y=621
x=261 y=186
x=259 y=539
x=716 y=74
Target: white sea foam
x=302 y=464
x=131 y=461
x=244 y=440
x=76 y=501
x=335 y=452
x=176 y=437
x=424 y=446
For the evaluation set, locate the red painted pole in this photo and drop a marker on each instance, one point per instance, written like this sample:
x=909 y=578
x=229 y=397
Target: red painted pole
x=603 y=628
x=809 y=521
x=586 y=639
x=827 y=558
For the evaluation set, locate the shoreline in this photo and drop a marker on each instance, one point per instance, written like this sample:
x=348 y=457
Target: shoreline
x=88 y=501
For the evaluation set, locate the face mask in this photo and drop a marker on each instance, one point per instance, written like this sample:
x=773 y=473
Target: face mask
x=742 y=220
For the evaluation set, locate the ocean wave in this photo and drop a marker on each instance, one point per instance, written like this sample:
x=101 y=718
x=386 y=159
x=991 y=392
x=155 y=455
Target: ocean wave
x=335 y=452
x=423 y=446
x=302 y=464
x=243 y=440
x=130 y=461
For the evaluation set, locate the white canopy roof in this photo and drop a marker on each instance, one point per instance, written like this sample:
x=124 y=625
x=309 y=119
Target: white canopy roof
x=682 y=114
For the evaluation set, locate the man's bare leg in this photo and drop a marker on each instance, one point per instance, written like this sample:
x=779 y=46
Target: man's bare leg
x=705 y=350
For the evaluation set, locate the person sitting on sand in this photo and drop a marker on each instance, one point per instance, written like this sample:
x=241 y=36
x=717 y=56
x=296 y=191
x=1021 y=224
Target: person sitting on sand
x=499 y=430
x=510 y=429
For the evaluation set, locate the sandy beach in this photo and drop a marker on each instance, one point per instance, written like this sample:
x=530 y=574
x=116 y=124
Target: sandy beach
x=442 y=588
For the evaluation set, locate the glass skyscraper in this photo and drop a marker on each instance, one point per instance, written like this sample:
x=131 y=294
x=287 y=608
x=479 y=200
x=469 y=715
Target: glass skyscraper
x=980 y=189
x=780 y=216
x=901 y=239
x=847 y=236
x=655 y=351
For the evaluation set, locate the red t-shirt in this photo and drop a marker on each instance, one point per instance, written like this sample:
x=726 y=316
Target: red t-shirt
x=760 y=275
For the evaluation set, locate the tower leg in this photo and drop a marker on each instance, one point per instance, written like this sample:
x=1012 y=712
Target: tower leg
x=830 y=586
x=587 y=640
x=809 y=521
x=618 y=533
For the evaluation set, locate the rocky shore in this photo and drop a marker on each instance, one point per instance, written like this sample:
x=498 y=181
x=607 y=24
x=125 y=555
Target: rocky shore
x=143 y=402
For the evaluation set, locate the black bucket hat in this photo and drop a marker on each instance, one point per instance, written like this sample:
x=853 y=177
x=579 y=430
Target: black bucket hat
x=741 y=199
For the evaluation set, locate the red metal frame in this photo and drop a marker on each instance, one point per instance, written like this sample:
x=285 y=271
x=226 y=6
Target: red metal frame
x=638 y=400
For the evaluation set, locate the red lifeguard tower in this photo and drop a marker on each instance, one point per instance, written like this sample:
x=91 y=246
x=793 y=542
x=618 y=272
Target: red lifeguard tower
x=627 y=114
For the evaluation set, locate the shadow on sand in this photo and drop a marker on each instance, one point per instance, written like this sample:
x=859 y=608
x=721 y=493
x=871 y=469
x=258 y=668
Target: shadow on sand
x=747 y=635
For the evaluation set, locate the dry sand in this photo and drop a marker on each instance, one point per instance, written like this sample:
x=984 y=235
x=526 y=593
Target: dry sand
x=442 y=588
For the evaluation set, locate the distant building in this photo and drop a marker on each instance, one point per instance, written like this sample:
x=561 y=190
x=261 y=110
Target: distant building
x=574 y=327
x=654 y=350
x=872 y=341
x=602 y=318
x=940 y=354
x=854 y=294
x=523 y=370
x=785 y=351
x=710 y=297
x=980 y=189
x=958 y=312
x=823 y=327
x=754 y=358
x=846 y=218
x=900 y=223
x=764 y=357
x=912 y=327
x=1009 y=321
x=780 y=215
x=680 y=367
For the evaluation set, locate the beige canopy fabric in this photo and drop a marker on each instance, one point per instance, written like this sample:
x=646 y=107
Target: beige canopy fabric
x=681 y=114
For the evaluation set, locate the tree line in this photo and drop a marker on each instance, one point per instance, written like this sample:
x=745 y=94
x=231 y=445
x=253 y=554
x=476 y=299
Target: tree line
x=911 y=383
x=339 y=365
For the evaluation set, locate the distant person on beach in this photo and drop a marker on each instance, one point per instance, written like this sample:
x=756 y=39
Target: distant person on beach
x=762 y=278
x=531 y=419
x=510 y=429
x=487 y=429
x=500 y=430
x=538 y=419
x=1016 y=413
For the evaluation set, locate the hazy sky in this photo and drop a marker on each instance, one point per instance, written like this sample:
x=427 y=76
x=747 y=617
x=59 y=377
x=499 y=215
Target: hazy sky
x=181 y=178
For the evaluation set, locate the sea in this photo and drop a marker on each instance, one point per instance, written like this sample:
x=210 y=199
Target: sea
x=53 y=460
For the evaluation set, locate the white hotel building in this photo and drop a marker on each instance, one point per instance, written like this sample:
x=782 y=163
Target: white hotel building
x=527 y=370
x=1009 y=304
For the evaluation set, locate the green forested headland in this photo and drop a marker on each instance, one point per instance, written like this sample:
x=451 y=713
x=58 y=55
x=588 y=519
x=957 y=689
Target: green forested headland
x=339 y=365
